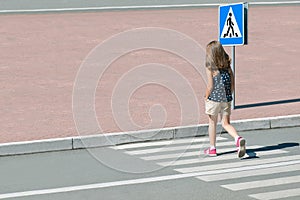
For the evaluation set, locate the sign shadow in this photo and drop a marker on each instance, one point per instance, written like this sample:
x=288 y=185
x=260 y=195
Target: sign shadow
x=267 y=103
x=252 y=153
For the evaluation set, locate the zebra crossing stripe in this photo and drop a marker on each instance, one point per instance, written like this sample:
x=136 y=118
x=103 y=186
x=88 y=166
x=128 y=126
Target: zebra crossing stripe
x=187 y=154
x=237 y=164
x=277 y=194
x=262 y=183
x=165 y=142
x=246 y=168
x=174 y=148
x=257 y=172
x=200 y=159
x=209 y=159
x=175 y=152
x=171 y=155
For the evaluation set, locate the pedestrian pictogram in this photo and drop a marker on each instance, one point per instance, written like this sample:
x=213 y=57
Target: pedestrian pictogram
x=233 y=24
x=231 y=28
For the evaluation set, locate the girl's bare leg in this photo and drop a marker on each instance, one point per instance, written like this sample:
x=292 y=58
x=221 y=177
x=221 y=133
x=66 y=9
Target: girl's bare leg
x=212 y=129
x=240 y=142
x=228 y=127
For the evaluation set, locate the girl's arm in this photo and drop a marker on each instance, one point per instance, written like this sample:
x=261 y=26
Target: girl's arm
x=232 y=79
x=210 y=83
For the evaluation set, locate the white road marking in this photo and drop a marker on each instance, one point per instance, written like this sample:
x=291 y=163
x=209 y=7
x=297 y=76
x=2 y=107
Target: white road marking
x=208 y=159
x=107 y=8
x=237 y=164
x=188 y=154
x=258 y=172
x=175 y=148
x=274 y=2
x=277 y=194
x=171 y=155
x=262 y=183
x=165 y=142
x=138 y=181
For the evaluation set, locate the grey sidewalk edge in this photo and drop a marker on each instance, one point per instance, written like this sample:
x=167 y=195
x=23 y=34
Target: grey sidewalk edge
x=36 y=146
x=9 y=7
x=111 y=139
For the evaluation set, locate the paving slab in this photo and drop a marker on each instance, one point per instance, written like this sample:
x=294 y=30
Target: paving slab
x=42 y=53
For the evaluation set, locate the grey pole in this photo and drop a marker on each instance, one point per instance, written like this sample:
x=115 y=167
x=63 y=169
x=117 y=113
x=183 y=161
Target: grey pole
x=233 y=70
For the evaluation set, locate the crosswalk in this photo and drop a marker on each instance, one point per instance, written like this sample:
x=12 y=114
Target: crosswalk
x=268 y=167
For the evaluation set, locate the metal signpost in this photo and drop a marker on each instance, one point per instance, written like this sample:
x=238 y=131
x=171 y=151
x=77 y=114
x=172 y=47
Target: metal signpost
x=233 y=29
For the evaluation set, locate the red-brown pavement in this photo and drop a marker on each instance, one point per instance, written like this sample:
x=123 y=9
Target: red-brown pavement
x=41 y=54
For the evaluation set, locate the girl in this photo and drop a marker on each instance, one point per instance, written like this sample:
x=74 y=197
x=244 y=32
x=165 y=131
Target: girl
x=218 y=96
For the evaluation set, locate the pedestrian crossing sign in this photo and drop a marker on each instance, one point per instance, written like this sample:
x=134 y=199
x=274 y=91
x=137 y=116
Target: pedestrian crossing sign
x=233 y=24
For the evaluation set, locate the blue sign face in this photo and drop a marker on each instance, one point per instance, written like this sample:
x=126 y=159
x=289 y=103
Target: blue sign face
x=232 y=24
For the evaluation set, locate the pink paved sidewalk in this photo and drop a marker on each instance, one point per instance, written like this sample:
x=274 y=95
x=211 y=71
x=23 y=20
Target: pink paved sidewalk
x=41 y=54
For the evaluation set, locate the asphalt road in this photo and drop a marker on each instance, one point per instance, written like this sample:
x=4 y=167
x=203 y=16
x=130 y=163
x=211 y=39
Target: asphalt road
x=27 y=5
x=161 y=170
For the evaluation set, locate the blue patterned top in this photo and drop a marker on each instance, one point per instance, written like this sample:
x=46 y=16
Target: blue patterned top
x=222 y=87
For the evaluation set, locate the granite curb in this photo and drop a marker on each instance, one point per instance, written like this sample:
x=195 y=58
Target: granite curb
x=104 y=140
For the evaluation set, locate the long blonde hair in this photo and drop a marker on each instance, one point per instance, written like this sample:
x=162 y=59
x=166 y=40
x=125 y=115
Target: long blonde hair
x=216 y=57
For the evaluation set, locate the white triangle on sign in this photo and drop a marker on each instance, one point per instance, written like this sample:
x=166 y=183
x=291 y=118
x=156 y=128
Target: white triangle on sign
x=231 y=28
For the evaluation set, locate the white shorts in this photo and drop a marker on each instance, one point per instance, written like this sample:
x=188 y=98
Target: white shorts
x=214 y=108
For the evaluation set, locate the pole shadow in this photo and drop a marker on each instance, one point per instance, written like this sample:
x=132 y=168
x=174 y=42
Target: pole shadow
x=252 y=153
x=267 y=103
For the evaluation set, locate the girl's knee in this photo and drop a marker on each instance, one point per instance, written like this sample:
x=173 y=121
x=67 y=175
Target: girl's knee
x=213 y=119
x=225 y=123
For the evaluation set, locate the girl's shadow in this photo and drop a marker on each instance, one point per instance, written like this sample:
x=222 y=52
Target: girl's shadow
x=252 y=152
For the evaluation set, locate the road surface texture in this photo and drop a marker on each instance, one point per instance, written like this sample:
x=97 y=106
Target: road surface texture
x=161 y=170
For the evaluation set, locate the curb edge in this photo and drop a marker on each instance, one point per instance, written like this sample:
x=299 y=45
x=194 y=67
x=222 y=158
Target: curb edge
x=111 y=139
